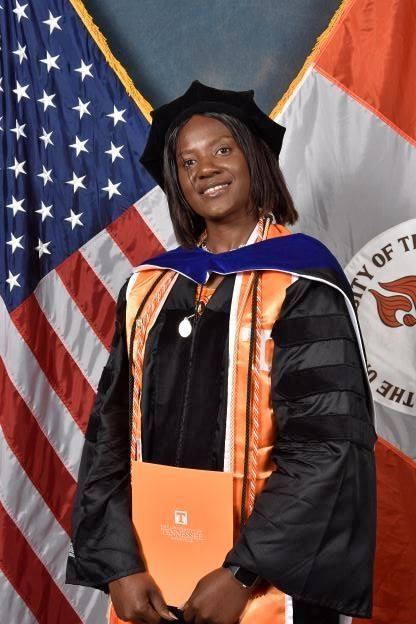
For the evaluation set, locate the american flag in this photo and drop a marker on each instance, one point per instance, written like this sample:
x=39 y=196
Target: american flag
x=78 y=211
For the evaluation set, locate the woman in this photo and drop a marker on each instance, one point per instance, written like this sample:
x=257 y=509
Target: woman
x=246 y=357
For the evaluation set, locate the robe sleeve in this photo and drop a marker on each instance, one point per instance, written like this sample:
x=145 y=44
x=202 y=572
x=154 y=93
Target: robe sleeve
x=103 y=546
x=312 y=530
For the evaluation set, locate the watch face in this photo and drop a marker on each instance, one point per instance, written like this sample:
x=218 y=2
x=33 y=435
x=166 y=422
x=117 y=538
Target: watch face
x=245 y=577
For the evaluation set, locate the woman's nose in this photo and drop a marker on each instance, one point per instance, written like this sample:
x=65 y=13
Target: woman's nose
x=206 y=167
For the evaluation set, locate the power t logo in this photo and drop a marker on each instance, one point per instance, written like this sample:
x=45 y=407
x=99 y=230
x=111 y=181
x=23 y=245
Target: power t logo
x=181 y=517
x=383 y=279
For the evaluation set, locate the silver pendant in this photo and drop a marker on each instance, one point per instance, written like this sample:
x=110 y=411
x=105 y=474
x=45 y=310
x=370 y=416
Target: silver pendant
x=185 y=327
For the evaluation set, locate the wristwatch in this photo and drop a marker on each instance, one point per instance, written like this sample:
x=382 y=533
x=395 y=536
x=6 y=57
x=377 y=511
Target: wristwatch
x=244 y=577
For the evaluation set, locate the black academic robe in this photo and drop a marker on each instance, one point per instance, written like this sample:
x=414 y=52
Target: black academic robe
x=312 y=531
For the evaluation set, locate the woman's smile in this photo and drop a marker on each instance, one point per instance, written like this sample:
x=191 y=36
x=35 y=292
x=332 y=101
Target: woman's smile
x=216 y=190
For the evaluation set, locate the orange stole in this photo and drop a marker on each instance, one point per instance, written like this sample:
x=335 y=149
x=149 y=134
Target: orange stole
x=269 y=607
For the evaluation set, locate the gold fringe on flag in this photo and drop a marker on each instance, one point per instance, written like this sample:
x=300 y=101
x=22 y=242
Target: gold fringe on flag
x=319 y=46
x=115 y=65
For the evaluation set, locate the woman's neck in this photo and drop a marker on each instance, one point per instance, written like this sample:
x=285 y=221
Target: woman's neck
x=226 y=236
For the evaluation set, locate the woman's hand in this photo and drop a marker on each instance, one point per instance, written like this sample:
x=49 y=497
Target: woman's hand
x=137 y=598
x=218 y=598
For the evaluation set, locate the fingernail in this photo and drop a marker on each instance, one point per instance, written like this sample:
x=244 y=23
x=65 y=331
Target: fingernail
x=173 y=616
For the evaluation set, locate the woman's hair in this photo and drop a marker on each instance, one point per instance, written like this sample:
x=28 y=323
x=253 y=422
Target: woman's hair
x=268 y=190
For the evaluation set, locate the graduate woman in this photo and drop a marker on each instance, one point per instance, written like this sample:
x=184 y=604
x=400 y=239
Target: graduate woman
x=239 y=351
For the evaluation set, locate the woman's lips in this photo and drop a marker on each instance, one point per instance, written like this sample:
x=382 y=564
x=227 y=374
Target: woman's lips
x=216 y=190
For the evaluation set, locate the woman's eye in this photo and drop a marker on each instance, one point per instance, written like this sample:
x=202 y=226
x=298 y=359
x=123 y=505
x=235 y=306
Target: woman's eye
x=224 y=150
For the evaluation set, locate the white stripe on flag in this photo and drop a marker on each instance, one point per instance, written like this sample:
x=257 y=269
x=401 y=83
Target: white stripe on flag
x=12 y=606
x=107 y=261
x=72 y=327
x=29 y=380
x=43 y=533
x=292 y=96
x=374 y=172
x=351 y=176
x=153 y=208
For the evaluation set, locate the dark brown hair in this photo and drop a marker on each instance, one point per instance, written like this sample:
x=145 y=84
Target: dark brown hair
x=268 y=190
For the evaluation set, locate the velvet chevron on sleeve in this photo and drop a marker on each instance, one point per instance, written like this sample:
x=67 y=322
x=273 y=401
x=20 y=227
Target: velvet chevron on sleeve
x=312 y=530
x=104 y=545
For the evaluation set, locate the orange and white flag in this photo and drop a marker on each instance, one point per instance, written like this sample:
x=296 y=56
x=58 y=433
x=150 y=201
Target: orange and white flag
x=349 y=158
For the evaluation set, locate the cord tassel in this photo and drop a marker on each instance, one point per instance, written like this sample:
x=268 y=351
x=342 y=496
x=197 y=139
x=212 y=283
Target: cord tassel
x=253 y=391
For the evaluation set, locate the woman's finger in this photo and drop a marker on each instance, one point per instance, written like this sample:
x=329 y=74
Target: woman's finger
x=160 y=605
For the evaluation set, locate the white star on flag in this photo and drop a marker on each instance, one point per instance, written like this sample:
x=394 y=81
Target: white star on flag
x=42 y=248
x=82 y=108
x=20 y=52
x=1 y=88
x=46 y=137
x=20 y=11
x=77 y=182
x=1 y=127
x=50 y=61
x=21 y=91
x=19 y=130
x=52 y=22
x=15 y=243
x=117 y=115
x=115 y=152
x=79 y=146
x=45 y=211
x=74 y=219
x=111 y=189
x=16 y=205
x=84 y=70
x=45 y=175
x=18 y=167
x=12 y=280
x=46 y=100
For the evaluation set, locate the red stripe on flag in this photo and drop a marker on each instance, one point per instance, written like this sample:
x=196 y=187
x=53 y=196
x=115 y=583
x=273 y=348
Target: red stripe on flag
x=30 y=578
x=372 y=55
x=134 y=237
x=394 y=578
x=60 y=368
x=90 y=295
x=35 y=453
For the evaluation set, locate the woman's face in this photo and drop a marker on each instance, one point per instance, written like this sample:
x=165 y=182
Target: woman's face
x=208 y=156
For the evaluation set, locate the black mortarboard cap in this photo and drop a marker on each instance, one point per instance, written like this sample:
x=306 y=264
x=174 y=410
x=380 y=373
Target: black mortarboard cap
x=200 y=98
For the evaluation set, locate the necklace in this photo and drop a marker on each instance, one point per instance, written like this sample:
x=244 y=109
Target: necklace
x=185 y=327
x=205 y=248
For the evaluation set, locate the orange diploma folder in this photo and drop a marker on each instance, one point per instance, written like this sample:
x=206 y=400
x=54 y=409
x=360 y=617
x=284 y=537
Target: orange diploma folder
x=184 y=522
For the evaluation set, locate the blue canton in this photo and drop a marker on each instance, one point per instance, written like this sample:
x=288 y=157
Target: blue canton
x=71 y=140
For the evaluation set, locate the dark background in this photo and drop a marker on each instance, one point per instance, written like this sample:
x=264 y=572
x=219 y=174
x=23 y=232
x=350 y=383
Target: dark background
x=228 y=44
